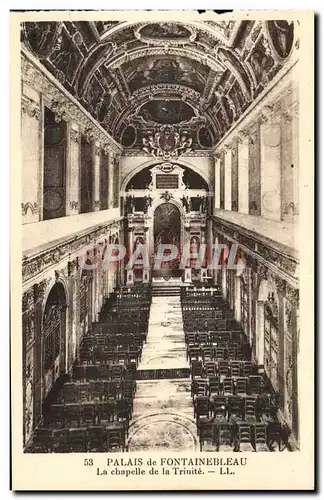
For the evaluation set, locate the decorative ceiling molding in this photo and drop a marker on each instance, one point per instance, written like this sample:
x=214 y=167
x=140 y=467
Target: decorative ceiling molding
x=219 y=67
x=187 y=52
x=62 y=104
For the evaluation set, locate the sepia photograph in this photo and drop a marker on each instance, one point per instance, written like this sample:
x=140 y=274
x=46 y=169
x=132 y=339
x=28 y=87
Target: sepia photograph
x=158 y=281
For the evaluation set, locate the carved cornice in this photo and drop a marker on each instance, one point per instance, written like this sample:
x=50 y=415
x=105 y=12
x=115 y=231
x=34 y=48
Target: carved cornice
x=30 y=107
x=64 y=105
x=281 y=264
x=34 y=265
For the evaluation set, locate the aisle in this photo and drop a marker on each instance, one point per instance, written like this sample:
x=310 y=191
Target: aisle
x=165 y=347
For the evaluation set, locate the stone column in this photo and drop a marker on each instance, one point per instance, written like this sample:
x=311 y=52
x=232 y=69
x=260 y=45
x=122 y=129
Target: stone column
x=228 y=179
x=110 y=180
x=39 y=297
x=237 y=305
x=217 y=182
x=73 y=166
x=243 y=174
x=291 y=350
x=260 y=332
x=72 y=314
x=31 y=156
x=280 y=289
x=96 y=176
x=270 y=166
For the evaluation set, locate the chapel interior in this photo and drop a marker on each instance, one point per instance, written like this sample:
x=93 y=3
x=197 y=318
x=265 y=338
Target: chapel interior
x=141 y=134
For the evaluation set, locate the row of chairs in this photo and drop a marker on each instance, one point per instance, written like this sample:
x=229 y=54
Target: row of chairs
x=239 y=436
x=240 y=407
x=107 y=371
x=106 y=355
x=208 y=353
x=113 y=340
x=252 y=385
x=222 y=367
x=85 y=439
x=88 y=413
x=215 y=337
x=101 y=390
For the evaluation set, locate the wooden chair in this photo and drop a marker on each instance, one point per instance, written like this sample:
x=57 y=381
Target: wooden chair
x=198 y=387
x=235 y=368
x=88 y=414
x=97 y=437
x=220 y=354
x=60 y=441
x=116 y=438
x=83 y=392
x=250 y=408
x=117 y=372
x=224 y=437
x=194 y=354
x=210 y=369
x=231 y=352
x=73 y=415
x=221 y=324
x=201 y=407
x=42 y=441
x=228 y=386
x=241 y=385
x=235 y=408
x=255 y=384
x=218 y=405
x=96 y=389
x=196 y=369
x=223 y=368
x=202 y=338
x=103 y=372
x=70 y=393
x=247 y=368
x=213 y=386
x=57 y=415
x=245 y=437
x=260 y=441
x=77 y=440
x=123 y=409
x=207 y=432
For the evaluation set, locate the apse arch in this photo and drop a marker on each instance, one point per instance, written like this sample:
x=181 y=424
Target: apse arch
x=152 y=163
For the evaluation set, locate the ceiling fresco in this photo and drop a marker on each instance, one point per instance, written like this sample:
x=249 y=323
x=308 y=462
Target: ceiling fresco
x=133 y=76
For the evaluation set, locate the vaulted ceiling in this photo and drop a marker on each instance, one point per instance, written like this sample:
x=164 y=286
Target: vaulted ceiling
x=201 y=75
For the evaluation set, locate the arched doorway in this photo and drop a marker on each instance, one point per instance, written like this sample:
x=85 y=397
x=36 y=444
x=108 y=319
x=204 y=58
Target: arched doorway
x=54 y=335
x=167 y=229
